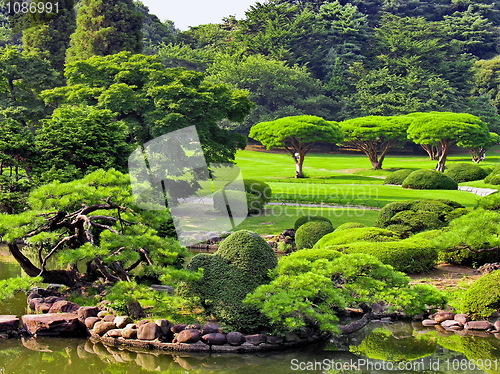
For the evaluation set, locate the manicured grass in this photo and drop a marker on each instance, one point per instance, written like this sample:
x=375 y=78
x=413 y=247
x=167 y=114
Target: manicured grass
x=280 y=217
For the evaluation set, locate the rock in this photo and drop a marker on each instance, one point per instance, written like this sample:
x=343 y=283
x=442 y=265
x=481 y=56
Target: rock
x=9 y=323
x=305 y=333
x=386 y=320
x=149 y=331
x=122 y=321
x=488 y=268
x=41 y=308
x=291 y=337
x=59 y=324
x=115 y=333
x=450 y=323
x=4 y=336
x=159 y=287
x=196 y=326
x=462 y=319
x=478 y=325
x=52 y=299
x=188 y=336
x=214 y=338
x=109 y=318
x=164 y=326
x=274 y=339
x=34 y=302
x=102 y=327
x=255 y=339
x=64 y=306
x=142 y=322
x=429 y=322
x=443 y=316
x=85 y=312
x=129 y=333
x=178 y=327
x=90 y=322
x=102 y=314
x=210 y=328
x=34 y=295
x=235 y=338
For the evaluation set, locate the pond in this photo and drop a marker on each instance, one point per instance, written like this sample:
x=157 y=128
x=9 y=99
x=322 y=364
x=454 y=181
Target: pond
x=399 y=347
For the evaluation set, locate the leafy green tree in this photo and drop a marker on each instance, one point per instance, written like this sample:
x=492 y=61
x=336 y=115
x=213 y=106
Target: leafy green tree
x=49 y=33
x=92 y=221
x=153 y=100
x=297 y=134
x=375 y=135
x=84 y=137
x=487 y=78
x=478 y=152
x=445 y=129
x=105 y=28
x=181 y=55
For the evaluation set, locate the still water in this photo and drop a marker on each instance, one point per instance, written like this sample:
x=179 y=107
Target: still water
x=379 y=348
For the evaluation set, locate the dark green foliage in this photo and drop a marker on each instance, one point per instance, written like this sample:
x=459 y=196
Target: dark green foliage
x=239 y=200
x=105 y=28
x=309 y=233
x=490 y=202
x=154 y=32
x=350 y=225
x=482 y=299
x=304 y=219
x=429 y=180
x=493 y=177
x=353 y=235
x=465 y=172
x=410 y=217
x=398 y=177
x=240 y=265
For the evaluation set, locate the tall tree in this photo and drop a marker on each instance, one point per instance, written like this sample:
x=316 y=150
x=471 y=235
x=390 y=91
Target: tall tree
x=105 y=28
x=296 y=134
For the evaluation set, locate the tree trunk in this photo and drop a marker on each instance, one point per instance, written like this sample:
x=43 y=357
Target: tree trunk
x=298 y=167
x=432 y=151
x=441 y=165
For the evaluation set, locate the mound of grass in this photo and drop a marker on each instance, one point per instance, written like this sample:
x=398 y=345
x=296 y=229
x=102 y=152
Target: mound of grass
x=429 y=180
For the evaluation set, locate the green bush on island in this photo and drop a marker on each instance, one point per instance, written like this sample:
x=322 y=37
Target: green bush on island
x=309 y=233
x=381 y=345
x=350 y=225
x=311 y=286
x=304 y=219
x=240 y=265
x=472 y=239
x=412 y=216
x=482 y=299
x=398 y=177
x=429 y=180
x=362 y=234
x=465 y=172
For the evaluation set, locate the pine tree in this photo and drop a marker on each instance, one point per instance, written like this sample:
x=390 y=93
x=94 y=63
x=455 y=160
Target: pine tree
x=105 y=27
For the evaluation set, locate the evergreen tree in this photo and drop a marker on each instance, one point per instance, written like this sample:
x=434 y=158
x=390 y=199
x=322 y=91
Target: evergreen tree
x=105 y=28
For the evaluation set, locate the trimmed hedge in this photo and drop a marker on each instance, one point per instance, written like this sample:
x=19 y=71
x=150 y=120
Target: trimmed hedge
x=364 y=234
x=482 y=299
x=398 y=177
x=493 y=177
x=490 y=202
x=412 y=216
x=409 y=255
x=350 y=225
x=304 y=219
x=240 y=265
x=429 y=180
x=309 y=233
x=465 y=172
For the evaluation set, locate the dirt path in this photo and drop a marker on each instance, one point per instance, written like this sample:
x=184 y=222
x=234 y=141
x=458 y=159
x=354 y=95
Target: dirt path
x=446 y=276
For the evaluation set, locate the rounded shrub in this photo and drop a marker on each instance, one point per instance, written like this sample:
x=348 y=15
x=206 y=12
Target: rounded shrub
x=363 y=234
x=239 y=201
x=465 y=172
x=309 y=233
x=240 y=265
x=398 y=177
x=482 y=299
x=350 y=225
x=429 y=180
x=304 y=219
x=490 y=202
x=493 y=177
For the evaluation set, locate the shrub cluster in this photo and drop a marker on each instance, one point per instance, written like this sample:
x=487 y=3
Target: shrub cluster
x=493 y=177
x=350 y=225
x=398 y=177
x=304 y=219
x=482 y=299
x=363 y=234
x=490 y=202
x=412 y=216
x=465 y=172
x=240 y=265
x=429 y=180
x=309 y=233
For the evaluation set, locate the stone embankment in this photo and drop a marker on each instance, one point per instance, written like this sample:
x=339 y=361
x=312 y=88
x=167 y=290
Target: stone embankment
x=461 y=324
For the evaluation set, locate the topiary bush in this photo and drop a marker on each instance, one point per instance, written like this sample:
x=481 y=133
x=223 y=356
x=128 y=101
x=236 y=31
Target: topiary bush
x=465 y=172
x=412 y=216
x=490 y=202
x=309 y=233
x=239 y=202
x=304 y=219
x=240 y=265
x=398 y=177
x=482 y=299
x=493 y=177
x=350 y=225
x=429 y=180
x=363 y=234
